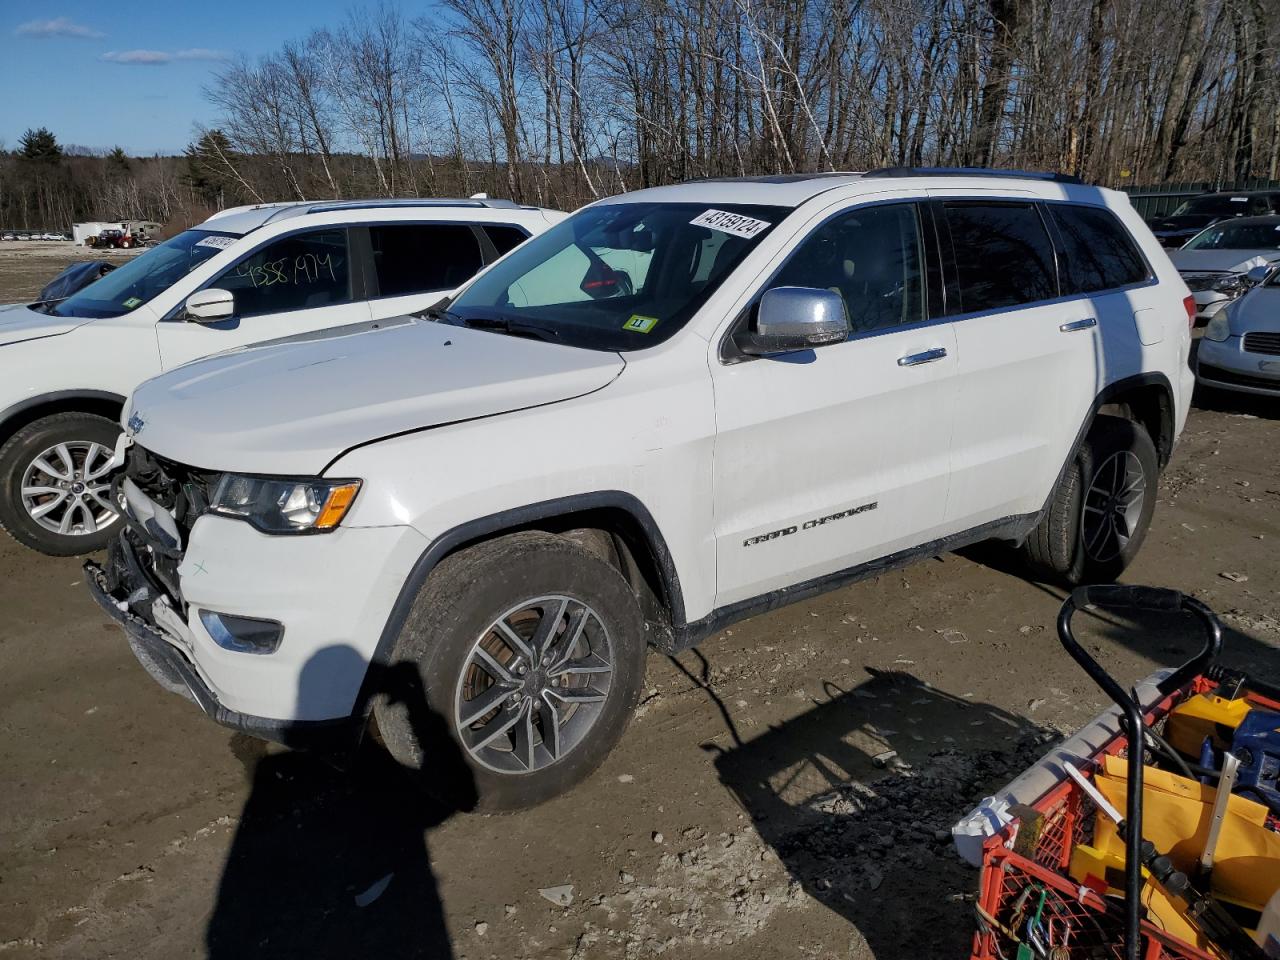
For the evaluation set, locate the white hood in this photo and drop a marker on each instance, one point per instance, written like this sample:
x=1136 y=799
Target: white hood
x=291 y=408
x=19 y=322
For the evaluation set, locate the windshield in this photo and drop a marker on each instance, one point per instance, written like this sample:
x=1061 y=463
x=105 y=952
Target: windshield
x=1221 y=206
x=132 y=284
x=1238 y=236
x=620 y=276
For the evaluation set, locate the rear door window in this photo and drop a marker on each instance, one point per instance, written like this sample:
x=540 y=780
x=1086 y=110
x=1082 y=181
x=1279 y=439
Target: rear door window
x=420 y=257
x=1098 y=252
x=1003 y=255
x=298 y=272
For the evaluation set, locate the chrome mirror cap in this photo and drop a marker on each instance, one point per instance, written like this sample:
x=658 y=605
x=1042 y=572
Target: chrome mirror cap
x=796 y=318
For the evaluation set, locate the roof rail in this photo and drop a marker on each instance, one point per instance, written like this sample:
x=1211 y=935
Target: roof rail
x=973 y=172
x=384 y=202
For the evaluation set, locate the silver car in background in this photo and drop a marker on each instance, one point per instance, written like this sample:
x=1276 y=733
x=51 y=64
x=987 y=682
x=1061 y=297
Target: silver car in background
x=1240 y=349
x=1215 y=261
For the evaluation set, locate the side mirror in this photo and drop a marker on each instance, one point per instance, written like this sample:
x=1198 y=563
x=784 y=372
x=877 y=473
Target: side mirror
x=211 y=305
x=1259 y=274
x=795 y=318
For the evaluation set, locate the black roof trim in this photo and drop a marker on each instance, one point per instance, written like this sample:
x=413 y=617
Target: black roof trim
x=781 y=177
x=887 y=172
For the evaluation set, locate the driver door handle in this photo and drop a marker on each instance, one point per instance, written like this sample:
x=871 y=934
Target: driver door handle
x=1085 y=324
x=928 y=356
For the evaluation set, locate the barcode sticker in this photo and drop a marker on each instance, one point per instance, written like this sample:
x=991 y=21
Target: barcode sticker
x=732 y=223
x=220 y=242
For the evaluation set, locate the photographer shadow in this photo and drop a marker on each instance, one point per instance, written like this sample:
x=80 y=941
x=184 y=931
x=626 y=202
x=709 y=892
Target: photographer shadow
x=330 y=862
x=857 y=797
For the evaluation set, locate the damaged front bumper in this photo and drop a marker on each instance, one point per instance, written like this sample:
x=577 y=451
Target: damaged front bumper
x=138 y=603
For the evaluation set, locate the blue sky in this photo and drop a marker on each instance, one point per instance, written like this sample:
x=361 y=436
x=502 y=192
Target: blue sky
x=130 y=72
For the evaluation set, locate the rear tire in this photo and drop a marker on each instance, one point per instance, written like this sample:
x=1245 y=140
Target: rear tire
x=1101 y=510
x=34 y=500
x=532 y=631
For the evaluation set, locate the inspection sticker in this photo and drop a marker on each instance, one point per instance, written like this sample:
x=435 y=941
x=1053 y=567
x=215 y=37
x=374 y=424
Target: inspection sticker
x=734 y=223
x=220 y=242
x=639 y=324
x=131 y=302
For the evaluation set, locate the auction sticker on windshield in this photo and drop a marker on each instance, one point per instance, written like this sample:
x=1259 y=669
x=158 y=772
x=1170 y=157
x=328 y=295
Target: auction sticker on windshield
x=132 y=302
x=220 y=242
x=733 y=223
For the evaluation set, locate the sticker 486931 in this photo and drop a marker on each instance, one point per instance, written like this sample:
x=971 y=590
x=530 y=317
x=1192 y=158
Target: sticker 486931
x=733 y=223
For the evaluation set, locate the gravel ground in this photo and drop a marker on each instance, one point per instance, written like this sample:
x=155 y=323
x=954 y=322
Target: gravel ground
x=741 y=817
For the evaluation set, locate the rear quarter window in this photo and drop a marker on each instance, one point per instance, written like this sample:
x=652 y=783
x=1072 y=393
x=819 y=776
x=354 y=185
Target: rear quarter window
x=1098 y=253
x=505 y=238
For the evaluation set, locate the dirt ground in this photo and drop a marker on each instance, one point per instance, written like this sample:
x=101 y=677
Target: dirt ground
x=27 y=265
x=741 y=817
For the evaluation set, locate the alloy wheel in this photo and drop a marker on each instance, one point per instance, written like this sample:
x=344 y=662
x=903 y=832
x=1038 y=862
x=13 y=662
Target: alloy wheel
x=533 y=684
x=1113 y=506
x=67 y=488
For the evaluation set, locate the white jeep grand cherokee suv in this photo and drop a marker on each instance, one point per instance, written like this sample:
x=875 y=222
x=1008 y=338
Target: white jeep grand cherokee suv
x=243 y=276
x=677 y=408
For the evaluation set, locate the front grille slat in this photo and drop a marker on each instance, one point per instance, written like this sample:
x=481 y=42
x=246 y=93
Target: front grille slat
x=1268 y=343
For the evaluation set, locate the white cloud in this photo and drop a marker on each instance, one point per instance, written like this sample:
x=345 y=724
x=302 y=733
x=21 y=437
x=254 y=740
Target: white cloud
x=158 y=58
x=57 y=27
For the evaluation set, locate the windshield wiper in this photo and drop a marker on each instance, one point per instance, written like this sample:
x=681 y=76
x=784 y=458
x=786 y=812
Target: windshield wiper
x=515 y=328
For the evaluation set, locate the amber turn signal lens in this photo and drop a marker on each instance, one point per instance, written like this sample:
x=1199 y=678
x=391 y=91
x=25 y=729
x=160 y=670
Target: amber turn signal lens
x=335 y=506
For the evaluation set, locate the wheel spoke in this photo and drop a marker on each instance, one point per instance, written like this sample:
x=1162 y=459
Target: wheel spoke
x=65 y=525
x=513 y=639
x=577 y=694
x=48 y=505
x=547 y=627
x=90 y=521
x=1099 y=534
x=524 y=735
x=68 y=461
x=497 y=671
x=41 y=491
x=96 y=497
x=549 y=719
x=483 y=704
x=97 y=450
x=42 y=464
x=575 y=668
x=563 y=650
x=497 y=727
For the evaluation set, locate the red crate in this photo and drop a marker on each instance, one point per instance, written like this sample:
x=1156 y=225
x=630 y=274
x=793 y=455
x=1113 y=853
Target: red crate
x=1087 y=924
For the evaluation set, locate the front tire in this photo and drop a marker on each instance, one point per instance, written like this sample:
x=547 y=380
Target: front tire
x=55 y=490
x=1101 y=510
x=532 y=649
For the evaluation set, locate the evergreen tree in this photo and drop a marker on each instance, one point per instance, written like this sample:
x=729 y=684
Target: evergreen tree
x=40 y=146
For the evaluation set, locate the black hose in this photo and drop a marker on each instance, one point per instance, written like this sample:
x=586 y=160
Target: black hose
x=1172 y=755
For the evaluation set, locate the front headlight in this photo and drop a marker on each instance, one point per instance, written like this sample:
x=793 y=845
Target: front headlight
x=275 y=505
x=1219 y=327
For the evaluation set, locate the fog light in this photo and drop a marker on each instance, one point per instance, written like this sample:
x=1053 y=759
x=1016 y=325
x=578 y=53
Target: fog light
x=242 y=634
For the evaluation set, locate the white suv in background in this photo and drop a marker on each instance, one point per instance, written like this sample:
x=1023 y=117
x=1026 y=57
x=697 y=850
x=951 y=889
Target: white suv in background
x=244 y=275
x=677 y=408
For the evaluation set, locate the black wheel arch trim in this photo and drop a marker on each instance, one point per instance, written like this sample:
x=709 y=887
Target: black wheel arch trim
x=9 y=414
x=1110 y=394
x=510 y=521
